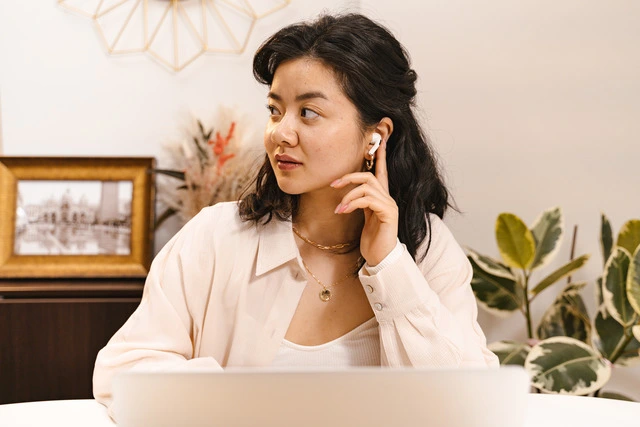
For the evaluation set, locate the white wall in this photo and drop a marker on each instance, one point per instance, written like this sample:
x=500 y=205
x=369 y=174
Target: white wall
x=531 y=104
x=63 y=95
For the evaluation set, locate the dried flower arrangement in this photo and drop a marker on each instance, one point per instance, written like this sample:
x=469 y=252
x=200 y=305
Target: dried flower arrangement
x=210 y=167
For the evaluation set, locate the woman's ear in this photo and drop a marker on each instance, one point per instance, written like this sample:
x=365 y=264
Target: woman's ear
x=384 y=128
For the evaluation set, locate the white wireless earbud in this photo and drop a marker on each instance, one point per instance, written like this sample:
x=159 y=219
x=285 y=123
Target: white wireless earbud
x=375 y=141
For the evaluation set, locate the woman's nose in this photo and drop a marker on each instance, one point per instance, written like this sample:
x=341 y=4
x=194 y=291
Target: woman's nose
x=285 y=131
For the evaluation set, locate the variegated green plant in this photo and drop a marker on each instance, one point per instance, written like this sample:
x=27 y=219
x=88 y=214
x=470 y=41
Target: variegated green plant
x=565 y=365
x=617 y=322
x=503 y=286
x=575 y=355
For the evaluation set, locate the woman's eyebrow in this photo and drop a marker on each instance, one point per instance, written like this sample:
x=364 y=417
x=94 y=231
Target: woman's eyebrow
x=301 y=97
x=311 y=95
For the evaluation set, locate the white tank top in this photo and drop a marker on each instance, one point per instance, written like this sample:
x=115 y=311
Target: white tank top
x=358 y=347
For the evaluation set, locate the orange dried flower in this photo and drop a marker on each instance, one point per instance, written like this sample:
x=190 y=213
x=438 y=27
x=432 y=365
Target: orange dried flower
x=220 y=143
x=222 y=160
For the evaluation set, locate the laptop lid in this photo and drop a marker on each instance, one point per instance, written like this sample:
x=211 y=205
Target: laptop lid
x=354 y=397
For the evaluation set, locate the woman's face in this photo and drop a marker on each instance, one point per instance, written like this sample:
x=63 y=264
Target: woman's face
x=313 y=135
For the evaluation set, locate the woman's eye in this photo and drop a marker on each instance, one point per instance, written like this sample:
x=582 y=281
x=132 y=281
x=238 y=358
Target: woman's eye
x=273 y=110
x=308 y=114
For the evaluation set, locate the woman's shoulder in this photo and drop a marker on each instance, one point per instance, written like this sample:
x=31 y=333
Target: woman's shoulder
x=439 y=229
x=220 y=215
x=444 y=251
x=222 y=211
x=217 y=220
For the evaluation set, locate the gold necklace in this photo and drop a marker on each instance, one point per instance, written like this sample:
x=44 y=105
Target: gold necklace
x=324 y=247
x=325 y=293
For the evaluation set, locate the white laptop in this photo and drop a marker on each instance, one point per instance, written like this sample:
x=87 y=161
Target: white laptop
x=404 y=397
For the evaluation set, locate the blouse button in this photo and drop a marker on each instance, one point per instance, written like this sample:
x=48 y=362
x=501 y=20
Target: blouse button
x=370 y=289
x=378 y=306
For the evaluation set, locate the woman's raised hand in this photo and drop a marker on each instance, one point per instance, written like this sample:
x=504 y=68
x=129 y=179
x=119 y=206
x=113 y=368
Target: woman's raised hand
x=380 y=232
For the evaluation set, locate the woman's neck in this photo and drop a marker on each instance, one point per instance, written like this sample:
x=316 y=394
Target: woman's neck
x=316 y=220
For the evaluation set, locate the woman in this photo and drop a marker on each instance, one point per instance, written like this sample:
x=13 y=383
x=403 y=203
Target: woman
x=339 y=256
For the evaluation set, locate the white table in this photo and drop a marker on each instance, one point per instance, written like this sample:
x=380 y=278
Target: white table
x=547 y=410
x=54 y=413
x=542 y=411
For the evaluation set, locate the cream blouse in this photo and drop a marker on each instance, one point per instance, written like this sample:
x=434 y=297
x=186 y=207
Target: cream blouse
x=222 y=292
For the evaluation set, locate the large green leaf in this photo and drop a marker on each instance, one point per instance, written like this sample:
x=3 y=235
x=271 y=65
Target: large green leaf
x=608 y=335
x=566 y=365
x=560 y=273
x=633 y=281
x=547 y=231
x=567 y=316
x=598 y=292
x=498 y=295
x=515 y=241
x=629 y=235
x=614 y=286
x=606 y=237
x=510 y=352
x=491 y=265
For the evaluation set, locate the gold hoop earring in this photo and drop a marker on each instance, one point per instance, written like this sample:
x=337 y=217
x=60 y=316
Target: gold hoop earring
x=368 y=164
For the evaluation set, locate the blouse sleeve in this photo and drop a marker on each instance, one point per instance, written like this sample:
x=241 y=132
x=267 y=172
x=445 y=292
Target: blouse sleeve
x=426 y=311
x=159 y=334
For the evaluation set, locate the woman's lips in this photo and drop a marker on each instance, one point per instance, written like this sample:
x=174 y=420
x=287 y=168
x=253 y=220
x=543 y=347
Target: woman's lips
x=286 y=163
x=287 y=166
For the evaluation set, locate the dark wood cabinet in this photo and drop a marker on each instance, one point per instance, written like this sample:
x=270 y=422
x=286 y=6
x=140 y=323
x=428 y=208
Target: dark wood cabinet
x=51 y=332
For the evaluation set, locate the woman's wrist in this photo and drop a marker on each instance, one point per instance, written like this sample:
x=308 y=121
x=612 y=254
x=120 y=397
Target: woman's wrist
x=392 y=257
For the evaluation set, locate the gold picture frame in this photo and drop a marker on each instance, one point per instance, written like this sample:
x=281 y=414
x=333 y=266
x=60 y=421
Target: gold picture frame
x=72 y=217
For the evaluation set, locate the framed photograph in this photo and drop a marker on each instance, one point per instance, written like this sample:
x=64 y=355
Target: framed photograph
x=76 y=217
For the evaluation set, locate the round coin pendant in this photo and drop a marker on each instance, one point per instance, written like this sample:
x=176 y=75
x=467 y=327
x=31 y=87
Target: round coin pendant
x=325 y=295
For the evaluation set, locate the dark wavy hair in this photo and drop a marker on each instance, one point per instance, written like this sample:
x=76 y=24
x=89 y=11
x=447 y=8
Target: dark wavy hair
x=374 y=72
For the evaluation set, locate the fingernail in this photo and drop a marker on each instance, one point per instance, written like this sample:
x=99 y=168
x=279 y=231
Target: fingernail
x=338 y=208
x=334 y=183
x=343 y=208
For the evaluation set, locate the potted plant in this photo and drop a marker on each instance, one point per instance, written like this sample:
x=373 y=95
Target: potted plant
x=568 y=353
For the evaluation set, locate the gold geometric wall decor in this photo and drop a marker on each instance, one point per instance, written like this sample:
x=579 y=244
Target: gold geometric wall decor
x=174 y=32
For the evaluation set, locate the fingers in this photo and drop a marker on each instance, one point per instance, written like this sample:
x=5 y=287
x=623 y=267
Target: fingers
x=358 y=178
x=368 y=195
x=360 y=192
x=381 y=166
x=385 y=211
